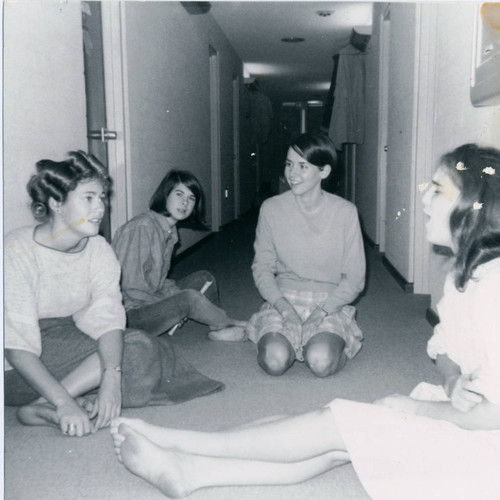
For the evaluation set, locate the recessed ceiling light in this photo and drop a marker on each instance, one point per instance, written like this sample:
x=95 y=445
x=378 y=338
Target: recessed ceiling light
x=293 y=39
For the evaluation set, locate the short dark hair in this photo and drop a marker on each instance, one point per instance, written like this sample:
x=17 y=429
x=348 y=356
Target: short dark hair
x=316 y=148
x=475 y=221
x=56 y=179
x=158 y=202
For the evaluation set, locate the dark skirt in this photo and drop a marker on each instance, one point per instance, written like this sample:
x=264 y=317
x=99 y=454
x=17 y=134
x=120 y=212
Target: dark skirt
x=153 y=373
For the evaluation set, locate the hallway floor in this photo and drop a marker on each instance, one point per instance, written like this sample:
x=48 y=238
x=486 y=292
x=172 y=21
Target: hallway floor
x=40 y=463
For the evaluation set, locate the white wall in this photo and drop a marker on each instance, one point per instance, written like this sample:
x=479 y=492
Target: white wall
x=400 y=163
x=456 y=121
x=167 y=54
x=367 y=153
x=44 y=94
x=400 y=166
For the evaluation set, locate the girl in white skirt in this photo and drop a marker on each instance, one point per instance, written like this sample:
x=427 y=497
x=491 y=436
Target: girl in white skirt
x=441 y=442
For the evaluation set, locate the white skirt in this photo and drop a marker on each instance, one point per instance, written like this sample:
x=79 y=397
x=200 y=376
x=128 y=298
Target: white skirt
x=399 y=456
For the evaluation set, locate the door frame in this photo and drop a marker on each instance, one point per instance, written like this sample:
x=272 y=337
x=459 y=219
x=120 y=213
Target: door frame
x=384 y=57
x=236 y=145
x=424 y=154
x=117 y=110
x=215 y=136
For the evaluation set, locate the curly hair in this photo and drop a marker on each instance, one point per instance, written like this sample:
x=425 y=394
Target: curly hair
x=56 y=179
x=158 y=202
x=475 y=221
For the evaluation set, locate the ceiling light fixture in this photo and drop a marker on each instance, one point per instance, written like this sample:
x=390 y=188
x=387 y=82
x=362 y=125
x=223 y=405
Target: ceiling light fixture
x=293 y=39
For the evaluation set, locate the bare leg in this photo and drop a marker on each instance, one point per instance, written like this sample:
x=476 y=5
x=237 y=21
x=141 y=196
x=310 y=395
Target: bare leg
x=275 y=353
x=85 y=377
x=288 y=439
x=324 y=354
x=177 y=474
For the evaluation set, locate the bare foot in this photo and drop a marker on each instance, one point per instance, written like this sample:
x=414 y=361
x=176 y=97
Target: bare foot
x=237 y=322
x=38 y=414
x=117 y=443
x=162 y=436
x=85 y=404
x=162 y=468
x=229 y=334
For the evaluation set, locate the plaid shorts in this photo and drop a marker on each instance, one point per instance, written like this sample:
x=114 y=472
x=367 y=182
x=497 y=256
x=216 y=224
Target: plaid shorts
x=342 y=323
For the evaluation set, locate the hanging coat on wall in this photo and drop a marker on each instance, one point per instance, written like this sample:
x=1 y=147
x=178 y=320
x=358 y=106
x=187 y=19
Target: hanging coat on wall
x=261 y=114
x=348 y=114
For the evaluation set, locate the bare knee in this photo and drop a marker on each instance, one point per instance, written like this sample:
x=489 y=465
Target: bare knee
x=323 y=358
x=275 y=354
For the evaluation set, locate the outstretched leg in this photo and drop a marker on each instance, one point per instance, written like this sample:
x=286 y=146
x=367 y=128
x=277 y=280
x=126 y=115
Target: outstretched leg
x=178 y=474
x=160 y=317
x=288 y=439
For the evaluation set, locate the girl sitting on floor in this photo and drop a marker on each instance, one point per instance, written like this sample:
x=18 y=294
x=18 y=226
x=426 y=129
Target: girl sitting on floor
x=144 y=246
x=64 y=318
x=309 y=266
x=439 y=442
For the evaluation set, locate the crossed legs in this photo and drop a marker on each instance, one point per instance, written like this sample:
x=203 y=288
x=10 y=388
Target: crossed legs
x=283 y=450
x=85 y=377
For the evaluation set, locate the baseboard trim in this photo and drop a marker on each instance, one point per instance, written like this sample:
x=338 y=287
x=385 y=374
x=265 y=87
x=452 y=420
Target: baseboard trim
x=432 y=317
x=369 y=242
x=407 y=287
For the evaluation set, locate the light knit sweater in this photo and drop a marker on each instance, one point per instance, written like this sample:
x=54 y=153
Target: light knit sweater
x=41 y=282
x=320 y=251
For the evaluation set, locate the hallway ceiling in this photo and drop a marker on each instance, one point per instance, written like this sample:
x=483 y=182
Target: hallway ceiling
x=290 y=72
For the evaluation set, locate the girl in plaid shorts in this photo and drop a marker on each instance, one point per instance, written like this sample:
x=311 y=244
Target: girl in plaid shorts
x=309 y=266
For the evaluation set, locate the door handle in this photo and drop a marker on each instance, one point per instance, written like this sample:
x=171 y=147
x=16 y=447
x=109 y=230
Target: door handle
x=102 y=135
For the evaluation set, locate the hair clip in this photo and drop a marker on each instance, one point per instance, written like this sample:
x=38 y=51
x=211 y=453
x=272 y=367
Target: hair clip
x=477 y=206
x=489 y=170
x=461 y=166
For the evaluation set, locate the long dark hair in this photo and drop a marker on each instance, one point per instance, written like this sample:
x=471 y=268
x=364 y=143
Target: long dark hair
x=56 y=179
x=475 y=221
x=158 y=202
